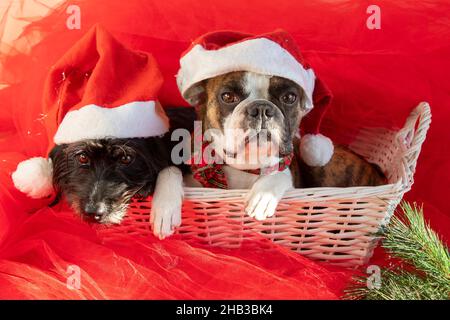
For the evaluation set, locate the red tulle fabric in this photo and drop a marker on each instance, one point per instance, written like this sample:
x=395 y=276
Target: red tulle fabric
x=376 y=76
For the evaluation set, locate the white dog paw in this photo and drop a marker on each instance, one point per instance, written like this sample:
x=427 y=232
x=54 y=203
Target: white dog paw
x=262 y=200
x=167 y=202
x=165 y=217
x=261 y=205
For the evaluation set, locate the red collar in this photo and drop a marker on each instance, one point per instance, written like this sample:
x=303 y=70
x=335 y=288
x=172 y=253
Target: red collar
x=211 y=175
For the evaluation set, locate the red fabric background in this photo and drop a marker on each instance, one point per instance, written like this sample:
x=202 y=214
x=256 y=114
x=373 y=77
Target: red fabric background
x=376 y=76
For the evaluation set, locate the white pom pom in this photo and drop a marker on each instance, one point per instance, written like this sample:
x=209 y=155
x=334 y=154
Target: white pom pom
x=316 y=149
x=34 y=177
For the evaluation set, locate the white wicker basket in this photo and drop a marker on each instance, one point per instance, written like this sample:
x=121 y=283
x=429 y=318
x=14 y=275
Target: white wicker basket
x=338 y=225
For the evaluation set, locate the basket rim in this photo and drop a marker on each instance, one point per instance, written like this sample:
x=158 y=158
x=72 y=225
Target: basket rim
x=399 y=182
x=328 y=193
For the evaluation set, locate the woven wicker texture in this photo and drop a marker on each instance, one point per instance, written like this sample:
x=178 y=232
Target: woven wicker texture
x=338 y=225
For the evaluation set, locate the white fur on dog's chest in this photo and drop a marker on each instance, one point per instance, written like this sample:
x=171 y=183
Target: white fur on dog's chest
x=238 y=179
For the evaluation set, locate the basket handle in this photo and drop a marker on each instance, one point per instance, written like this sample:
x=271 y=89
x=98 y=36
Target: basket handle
x=411 y=138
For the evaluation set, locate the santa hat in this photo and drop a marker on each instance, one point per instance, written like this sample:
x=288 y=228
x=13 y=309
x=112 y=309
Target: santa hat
x=98 y=89
x=274 y=54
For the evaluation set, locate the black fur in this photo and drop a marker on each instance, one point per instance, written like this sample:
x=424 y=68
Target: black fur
x=116 y=171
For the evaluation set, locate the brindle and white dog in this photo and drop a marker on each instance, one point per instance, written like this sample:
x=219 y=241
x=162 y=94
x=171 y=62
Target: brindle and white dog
x=241 y=102
x=250 y=101
x=238 y=103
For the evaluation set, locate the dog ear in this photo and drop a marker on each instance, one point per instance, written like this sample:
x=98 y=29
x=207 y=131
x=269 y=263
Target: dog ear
x=157 y=150
x=56 y=152
x=302 y=99
x=157 y=157
x=56 y=155
x=164 y=151
x=196 y=95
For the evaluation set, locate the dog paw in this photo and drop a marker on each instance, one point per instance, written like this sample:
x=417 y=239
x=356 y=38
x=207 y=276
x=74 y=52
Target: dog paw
x=167 y=202
x=165 y=217
x=262 y=200
x=261 y=205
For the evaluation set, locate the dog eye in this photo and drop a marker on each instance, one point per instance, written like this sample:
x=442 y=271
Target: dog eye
x=229 y=97
x=126 y=159
x=288 y=98
x=83 y=159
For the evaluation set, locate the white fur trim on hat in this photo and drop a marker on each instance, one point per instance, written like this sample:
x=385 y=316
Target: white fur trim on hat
x=34 y=177
x=256 y=55
x=138 y=119
x=316 y=149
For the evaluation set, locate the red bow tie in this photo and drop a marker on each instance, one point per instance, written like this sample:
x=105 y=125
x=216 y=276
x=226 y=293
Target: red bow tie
x=211 y=175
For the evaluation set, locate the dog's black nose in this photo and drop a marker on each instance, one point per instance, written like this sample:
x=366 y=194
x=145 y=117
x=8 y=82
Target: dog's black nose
x=95 y=211
x=261 y=111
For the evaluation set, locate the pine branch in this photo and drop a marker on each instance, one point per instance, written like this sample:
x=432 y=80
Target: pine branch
x=398 y=285
x=415 y=242
x=412 y=240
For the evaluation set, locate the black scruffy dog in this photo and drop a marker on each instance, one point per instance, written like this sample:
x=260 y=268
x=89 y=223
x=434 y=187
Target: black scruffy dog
x=99 y=177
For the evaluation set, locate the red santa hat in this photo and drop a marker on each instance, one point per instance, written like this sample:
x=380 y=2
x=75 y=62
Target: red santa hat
x=274 y=54
x=98 y=89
